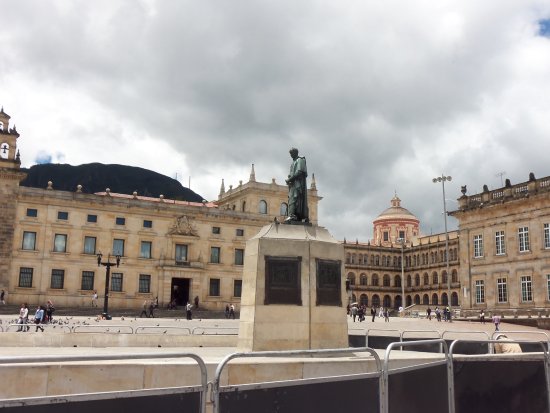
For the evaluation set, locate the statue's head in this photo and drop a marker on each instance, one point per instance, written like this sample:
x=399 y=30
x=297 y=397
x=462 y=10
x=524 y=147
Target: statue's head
x=293 y=152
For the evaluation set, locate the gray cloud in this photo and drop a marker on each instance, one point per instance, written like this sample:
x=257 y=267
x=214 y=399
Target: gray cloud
x=380 y=97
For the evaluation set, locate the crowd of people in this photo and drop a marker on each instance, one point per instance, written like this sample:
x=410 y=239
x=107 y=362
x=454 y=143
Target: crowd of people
x=42 y=315
x=359 y=312
x=439 y=314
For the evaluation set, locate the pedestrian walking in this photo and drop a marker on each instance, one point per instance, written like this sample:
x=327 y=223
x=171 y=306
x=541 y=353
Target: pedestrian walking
x=144 y=310
x=23 y=318
x=354 y=313
x=482 y=317
x=38 y=318
x=429 y=313
x=94 y=299
x=232 y=311
x=152 y=309
x=3 y=297
x=496 y=321
x=49 y=311
x=189 y=311
x=373 y=313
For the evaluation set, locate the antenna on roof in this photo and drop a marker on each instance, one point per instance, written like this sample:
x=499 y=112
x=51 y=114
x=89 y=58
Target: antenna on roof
x=501 y=174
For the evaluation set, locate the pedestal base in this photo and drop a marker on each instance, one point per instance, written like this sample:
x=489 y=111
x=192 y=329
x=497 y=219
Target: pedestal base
x=293 y=295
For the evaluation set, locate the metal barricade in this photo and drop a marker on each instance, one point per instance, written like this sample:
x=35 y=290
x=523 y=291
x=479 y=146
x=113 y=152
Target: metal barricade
x=233 y=389
x=161 y=330
x=385 y=406
x=379 y=329
x=487 y=336
x=49 y=327
x=501 y=387
x=227 y=331
x=103 y=328
x=437 y=333
x=56 y=401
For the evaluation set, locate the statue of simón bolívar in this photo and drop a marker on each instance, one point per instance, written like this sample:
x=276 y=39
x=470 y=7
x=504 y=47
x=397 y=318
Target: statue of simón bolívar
x=297 y=189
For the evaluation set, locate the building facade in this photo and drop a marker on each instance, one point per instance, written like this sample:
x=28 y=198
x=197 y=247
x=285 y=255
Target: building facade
x=505 y=247
x=375 y=272
x=169 y=249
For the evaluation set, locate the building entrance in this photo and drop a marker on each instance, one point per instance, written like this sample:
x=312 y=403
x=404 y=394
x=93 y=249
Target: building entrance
x=180 y=290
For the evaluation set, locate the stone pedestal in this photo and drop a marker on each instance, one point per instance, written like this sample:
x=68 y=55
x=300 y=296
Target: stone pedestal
x=293 y=295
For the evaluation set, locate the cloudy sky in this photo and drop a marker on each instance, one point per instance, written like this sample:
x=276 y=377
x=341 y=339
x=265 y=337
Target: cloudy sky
x=380 y=96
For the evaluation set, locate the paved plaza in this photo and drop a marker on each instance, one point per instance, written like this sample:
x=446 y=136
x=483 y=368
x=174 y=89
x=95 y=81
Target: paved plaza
x=421 y=328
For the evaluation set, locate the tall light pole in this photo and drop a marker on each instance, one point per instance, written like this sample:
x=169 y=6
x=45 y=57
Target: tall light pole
x=442 y=179
x=107 y=264
x=402 y=242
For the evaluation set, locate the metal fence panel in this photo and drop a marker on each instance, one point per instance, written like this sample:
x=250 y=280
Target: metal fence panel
x=135 y=402
x=500 y=386
x=419 y=391
x=359 y=395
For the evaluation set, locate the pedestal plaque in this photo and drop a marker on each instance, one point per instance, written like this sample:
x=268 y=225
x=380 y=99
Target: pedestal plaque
x=329 y=282
x=283 y=280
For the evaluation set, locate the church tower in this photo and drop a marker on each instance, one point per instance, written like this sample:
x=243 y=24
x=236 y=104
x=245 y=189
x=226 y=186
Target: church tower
x=10 y=176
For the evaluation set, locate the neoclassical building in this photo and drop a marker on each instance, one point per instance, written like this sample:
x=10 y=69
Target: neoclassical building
x=374 y=268
x=505 y=247
x=169 y=249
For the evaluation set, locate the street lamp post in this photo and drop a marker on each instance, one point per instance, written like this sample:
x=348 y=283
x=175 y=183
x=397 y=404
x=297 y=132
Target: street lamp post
x=402 y=242
x=442 y=179
x=107 y=264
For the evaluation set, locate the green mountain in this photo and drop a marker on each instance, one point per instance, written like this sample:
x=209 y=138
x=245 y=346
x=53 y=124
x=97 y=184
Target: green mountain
x=96 y=177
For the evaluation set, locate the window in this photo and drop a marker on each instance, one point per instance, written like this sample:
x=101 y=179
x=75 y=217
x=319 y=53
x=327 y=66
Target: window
x=216 y=230
x=120 y=221
x=478 y=246
x=499 y=243
x=237 y=288
x=29 y=240
x=87 y=280
x=548 y=287
x=402 y=235
x=63 y=215
x=239 y=232
x=214 y=287
x=526 y=289
x=523 y=237
x=215 y=255
x=181 y=253
x=89 y=245
x=144 y=283
x=239 y=257
x=262 y=209
x=546 y=236
x=386 y=236
x=25 y=277
x=60 y=243
x=283 y=211
x=480 y=291
x=91 y=218
x=145 y=251
x=118 y=247
x=116 y=281
x=58 y=277
x=147 y=223
x=31 y=212
x=386 y=280
x=502 y=290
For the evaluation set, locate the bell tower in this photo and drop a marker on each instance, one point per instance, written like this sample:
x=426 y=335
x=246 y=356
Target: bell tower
x=10 y=176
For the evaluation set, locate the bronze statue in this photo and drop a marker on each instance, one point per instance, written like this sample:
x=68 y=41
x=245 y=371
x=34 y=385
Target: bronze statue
x=297 y=189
